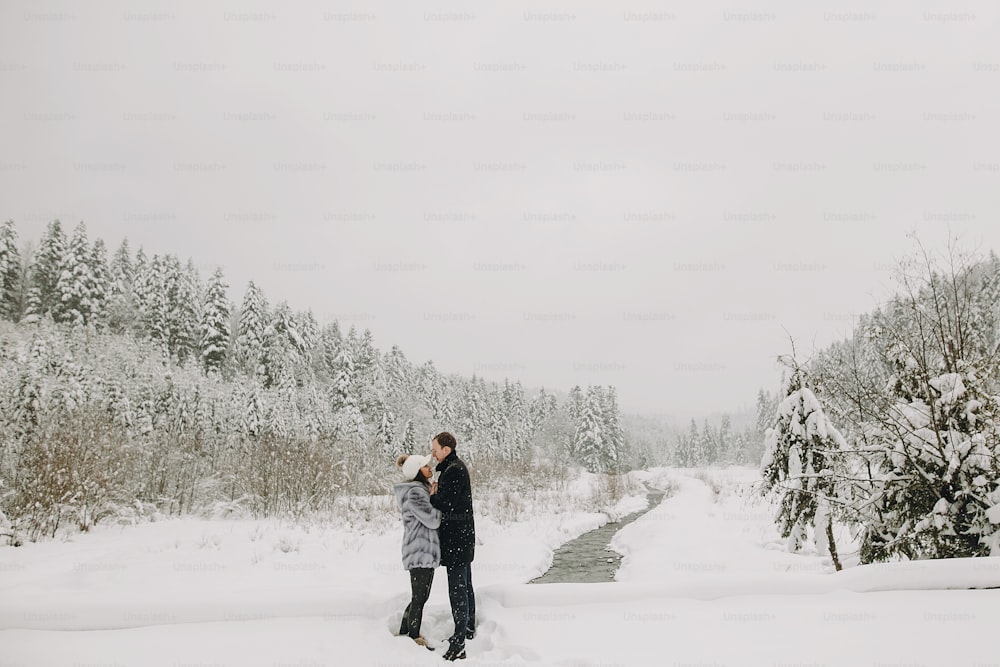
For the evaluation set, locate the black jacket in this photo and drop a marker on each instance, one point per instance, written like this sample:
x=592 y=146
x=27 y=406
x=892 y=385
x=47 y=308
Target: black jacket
x=458 y=525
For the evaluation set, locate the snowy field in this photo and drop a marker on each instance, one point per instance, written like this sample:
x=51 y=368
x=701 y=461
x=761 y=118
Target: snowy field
x=704 y=581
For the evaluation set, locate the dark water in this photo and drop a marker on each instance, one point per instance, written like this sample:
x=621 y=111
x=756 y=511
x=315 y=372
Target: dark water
x=588 y=559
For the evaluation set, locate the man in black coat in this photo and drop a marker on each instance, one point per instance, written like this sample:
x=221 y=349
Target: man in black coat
x=452 y=494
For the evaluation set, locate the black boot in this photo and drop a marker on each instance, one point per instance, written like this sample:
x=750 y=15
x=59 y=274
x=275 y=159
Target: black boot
x=454 y=653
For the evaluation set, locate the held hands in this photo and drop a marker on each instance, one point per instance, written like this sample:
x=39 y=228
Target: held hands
x=434 y=488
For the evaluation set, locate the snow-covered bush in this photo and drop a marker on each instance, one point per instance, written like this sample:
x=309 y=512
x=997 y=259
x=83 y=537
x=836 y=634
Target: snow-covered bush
x=940 y=476
x=71 y=472
x=286 y=476
x=916 y=392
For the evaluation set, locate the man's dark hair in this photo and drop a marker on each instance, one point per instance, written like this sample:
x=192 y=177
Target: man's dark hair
x=446 y=439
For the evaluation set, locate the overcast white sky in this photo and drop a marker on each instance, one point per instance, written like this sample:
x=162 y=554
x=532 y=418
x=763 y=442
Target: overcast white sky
x=639 y=194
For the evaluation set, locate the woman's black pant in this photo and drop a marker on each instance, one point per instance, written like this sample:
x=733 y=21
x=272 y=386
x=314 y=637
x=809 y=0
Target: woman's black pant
x=421 y=579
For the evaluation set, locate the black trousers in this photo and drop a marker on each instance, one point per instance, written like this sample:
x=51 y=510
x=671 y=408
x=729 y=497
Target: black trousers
x=463 y=602
x=421 y=579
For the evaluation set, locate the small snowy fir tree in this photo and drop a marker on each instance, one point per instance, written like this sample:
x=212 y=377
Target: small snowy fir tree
x=798 y=463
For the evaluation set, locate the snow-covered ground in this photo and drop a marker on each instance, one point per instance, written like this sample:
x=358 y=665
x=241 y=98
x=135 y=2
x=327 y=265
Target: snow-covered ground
x=703 y=582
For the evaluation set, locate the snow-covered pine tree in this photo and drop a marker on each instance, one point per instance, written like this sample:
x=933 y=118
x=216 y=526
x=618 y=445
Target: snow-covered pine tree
x=279 y=352
x=539 y=409
x=513 y=418
x=167 y=303
x=724 y=441
x=281 y=320
x=302 y=334
x=409 y=437
x=497 y=432
x=574 y=404
x=102 y=281
x=385 y=437
x=76 y=284
x=10 y=273
x=252 y=409
x=343 y=389
x=43 y=295
x=122 y=270
x=589 y=440
x=398 y=373
x=120 y=308
x=800 y=464
x=738 y=453
x=215 y=318
x=366 y=353
x=150 y=299
x=374 y=388
x=27 y=404
x=766 y=407
x=349 y=424
x=348 y=421
x=448 y=409
x=473 y=411
x=250 y=334
x=328 y=348
x=183 y=306
x=23 y=283
x=685 y=455
x=701 y=451
x=431 y=392
x=614 y=447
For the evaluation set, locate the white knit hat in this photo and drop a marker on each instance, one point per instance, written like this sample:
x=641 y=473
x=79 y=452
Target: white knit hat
x=412 y=464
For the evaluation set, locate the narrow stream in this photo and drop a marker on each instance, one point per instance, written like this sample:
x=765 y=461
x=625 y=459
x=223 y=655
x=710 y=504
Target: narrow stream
x=588 y=559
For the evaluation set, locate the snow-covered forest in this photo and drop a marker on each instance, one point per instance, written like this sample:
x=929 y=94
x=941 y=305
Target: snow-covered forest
x=131 y=385
x=893 y=432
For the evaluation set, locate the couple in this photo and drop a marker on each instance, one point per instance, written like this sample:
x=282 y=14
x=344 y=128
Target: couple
x=438 y=529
